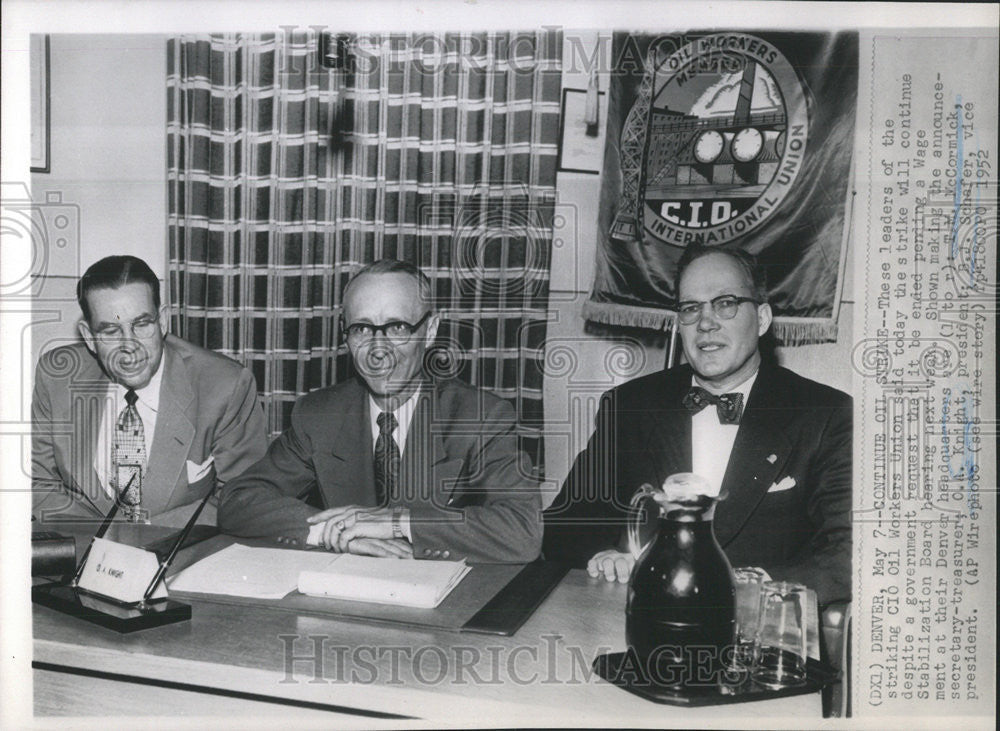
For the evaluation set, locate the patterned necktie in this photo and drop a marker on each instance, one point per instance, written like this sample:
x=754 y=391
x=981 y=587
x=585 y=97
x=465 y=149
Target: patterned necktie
x=386 y=460
x=129 y=457
x=728 y=405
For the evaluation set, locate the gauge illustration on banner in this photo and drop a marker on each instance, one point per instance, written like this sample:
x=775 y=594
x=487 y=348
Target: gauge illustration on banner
x=725 y=138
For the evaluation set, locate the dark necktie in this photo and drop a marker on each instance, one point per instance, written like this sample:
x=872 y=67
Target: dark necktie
x=386 y=460
x=129 y=458
x=728 y=405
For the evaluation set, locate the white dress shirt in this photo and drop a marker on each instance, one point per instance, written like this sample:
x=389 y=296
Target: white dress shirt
x=712 y=441
x=147 y=404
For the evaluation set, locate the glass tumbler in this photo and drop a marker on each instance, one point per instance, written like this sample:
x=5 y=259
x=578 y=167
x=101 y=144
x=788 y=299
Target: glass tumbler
x=781 y=638
x=748 y=582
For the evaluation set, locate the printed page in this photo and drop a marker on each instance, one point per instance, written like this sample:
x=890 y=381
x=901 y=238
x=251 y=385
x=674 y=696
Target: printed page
x=925 y=370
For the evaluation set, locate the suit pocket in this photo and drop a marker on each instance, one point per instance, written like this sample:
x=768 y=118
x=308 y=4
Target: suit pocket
x=786 y=483
x=196 y=472
x=203 y=481
x=781 y=499
x=784 y=512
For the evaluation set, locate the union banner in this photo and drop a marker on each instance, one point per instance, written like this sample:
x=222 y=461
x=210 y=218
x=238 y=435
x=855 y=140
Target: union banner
x=728 y=139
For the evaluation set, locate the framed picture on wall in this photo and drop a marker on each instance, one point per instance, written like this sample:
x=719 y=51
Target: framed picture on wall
x=581 y=145
x=39 y=61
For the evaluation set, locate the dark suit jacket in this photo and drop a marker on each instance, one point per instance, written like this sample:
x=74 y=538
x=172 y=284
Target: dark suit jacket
x=208 y=409
x=791 y=428
x=467 y=485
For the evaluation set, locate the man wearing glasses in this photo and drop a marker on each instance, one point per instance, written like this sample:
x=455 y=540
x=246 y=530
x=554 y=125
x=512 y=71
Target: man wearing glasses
x=777 y=444
x=135 y=413
x=403 y=466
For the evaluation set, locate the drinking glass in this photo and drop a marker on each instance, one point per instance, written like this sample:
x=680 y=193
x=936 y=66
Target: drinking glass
x=781 y=638
x=748 y=581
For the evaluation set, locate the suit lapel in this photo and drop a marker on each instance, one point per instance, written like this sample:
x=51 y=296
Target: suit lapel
x=423 y=478
x=425 y=468
x=87 y=412
x=759 y=453
x=87 y=394
x=424 y=465
x=173 y=436
x=669 y=443
x=351 y=443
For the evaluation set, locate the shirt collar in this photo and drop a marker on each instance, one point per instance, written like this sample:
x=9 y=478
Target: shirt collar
x=149 y=394
x=743 y=388
x=403 y=415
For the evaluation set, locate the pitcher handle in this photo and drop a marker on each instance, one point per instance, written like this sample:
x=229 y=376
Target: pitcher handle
x=634 y=513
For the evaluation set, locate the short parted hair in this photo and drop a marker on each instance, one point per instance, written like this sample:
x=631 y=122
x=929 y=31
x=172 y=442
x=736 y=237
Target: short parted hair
x=395 y=266
x=746 y=261
x=113 y=272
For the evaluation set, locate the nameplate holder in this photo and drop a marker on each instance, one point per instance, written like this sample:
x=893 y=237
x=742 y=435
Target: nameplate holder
x=120 y=572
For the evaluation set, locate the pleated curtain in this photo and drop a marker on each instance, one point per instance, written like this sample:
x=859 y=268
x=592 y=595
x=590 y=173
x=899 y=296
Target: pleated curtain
x=285 y=176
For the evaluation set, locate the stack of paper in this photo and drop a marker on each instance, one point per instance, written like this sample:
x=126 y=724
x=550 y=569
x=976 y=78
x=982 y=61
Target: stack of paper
x=257 y=573
x=421 y=584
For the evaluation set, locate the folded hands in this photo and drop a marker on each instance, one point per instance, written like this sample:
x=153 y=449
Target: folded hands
x=366 y=531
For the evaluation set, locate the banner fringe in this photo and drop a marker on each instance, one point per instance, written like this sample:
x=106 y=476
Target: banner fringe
x=795 y=331
x=628 y=316
x=790 y=331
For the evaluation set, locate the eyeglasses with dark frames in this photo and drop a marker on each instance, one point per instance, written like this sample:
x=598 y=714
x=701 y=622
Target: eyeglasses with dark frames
x=724 y=306
x=398 y=332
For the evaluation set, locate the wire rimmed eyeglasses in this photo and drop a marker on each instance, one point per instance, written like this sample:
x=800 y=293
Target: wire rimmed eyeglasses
x=141 y=329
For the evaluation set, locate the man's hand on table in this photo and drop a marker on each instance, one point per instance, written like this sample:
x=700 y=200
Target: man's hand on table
x=381 y=548
x=612 y=565
x=371 y=529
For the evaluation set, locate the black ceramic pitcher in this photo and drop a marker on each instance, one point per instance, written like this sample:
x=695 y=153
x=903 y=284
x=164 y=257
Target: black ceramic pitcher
x=681 y=614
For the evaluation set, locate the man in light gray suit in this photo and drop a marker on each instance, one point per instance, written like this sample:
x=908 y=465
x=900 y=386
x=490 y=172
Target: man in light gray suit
x=135 y=413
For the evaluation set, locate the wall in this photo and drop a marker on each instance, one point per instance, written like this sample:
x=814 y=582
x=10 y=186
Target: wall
x=107 y=166
x=588 y=364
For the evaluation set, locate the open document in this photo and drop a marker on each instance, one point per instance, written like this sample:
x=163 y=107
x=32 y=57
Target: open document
x=273 y=573
x=245 y=571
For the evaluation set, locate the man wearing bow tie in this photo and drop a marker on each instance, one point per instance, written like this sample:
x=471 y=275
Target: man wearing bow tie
x=777 y=445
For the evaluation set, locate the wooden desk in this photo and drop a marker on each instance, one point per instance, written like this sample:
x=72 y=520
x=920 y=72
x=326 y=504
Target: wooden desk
x=249 y=660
